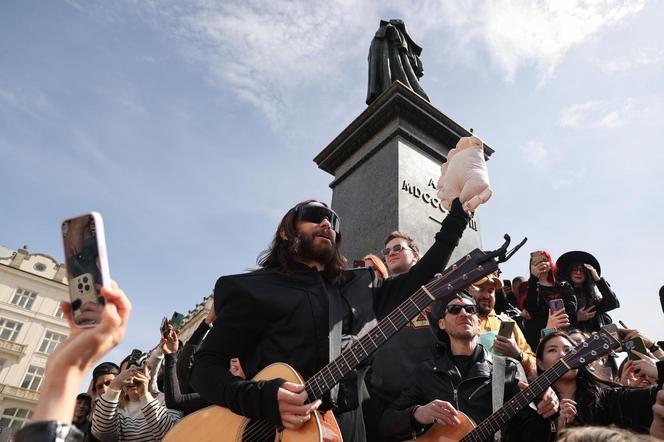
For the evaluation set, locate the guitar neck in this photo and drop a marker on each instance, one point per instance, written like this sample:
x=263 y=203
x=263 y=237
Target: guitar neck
x=460 y=275
x=497 y=420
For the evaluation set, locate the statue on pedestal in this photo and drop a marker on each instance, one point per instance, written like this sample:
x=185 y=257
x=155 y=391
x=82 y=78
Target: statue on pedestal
x=393 y=56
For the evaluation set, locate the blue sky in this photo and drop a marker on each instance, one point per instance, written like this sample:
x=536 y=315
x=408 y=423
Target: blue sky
x=191 y=126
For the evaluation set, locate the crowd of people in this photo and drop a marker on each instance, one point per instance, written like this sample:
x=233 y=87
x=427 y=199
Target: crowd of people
x=459 y=365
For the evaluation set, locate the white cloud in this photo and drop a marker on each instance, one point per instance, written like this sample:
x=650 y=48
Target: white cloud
x=641 y=57
x=595 y=114
x=536 y=154
x=272 y=53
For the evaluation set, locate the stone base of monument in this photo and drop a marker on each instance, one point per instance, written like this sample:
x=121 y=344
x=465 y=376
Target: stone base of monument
x=386 y=165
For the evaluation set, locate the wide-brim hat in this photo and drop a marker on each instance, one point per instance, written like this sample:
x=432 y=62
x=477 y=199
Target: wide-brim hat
x=567 y=260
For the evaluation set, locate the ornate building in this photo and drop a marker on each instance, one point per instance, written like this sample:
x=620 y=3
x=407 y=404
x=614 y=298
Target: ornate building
x=32 y=285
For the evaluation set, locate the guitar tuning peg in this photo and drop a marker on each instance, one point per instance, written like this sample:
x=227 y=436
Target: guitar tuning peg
x=438 y=275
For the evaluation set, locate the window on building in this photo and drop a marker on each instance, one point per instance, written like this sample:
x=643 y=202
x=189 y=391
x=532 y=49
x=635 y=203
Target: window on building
x=59 y=313
x=9 y=329
x=51 y=340
x=15 y=418
x=24 y=298
x=3 y=362
x=33 y=378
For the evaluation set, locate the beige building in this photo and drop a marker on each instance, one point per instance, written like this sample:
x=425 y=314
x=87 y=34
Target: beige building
x=193 y=318
x=32 y=285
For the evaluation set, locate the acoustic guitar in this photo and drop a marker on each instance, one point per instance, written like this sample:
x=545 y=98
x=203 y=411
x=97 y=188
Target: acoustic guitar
x=217 y=423
x=599 y=344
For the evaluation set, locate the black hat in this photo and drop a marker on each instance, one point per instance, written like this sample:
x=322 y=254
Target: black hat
x=105 y=368
x=567 y=260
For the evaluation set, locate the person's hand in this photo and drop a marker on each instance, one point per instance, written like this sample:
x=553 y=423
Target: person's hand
x=657 y=426
x=506 y=346
x=583 y=314
x=526 y=315
x=548 y=404
x=123 y=379
x=593 y=272
x=437 y=412
x=645 y=366
x=236 y=368
x=627 y=377
x=211 y=316
x=141 y=381
x=169 y=344
x=540 y=270
x=567 y=413
x=85 y=346
x=626 y=334
x=558 y=319
x=292 y=408
x=89 y=312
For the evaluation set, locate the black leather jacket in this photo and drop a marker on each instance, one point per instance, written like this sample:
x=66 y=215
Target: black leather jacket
x=440 y=379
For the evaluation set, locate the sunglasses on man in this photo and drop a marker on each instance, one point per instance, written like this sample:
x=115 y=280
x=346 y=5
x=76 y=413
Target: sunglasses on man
x=316 y=214
x=455 y=309
x=395 y=248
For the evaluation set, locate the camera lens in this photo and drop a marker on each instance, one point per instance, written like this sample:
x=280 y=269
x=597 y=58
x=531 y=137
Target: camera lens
x=87 y=288
x=85 y=279
x=80 y=286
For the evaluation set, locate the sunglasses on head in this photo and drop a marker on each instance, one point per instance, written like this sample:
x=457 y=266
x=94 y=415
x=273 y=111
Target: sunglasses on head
x=455 y=309
x=395 y=248
x=316 y=214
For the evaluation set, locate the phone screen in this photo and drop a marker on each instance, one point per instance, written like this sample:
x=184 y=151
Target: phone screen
x=87 y=267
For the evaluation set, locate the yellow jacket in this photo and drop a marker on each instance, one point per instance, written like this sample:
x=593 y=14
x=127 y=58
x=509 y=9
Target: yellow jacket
x=491 y=323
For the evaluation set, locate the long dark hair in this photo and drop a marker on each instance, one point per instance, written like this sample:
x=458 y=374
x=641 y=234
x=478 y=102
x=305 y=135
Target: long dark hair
x=587 y=289
x=281 y=252
x=587 y=385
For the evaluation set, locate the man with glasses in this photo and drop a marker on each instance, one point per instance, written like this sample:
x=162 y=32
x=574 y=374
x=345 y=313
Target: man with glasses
x=459 y=379
x=288 y=310
x=389 y=375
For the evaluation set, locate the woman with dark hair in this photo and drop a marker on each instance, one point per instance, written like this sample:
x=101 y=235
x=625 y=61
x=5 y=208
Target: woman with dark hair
x=585 y=400
x=582 y=271
x=544 y=287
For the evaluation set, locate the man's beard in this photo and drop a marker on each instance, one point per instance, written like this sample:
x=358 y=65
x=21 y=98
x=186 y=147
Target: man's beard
x=310 y=251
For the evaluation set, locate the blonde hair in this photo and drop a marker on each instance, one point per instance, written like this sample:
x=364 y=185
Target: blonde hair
x=601 y=434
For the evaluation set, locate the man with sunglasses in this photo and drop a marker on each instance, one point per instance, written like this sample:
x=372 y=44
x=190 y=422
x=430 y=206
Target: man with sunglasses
x=458 y=379
x=414 y=344
x=293 y=310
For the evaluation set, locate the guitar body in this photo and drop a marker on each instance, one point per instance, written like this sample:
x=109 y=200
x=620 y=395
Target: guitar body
x=448 y=433
x=214 y=423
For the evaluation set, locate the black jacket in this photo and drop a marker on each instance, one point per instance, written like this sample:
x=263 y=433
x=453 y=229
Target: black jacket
x=609 y=302
x=440 y=379
x=266 y=316
x=537 y=304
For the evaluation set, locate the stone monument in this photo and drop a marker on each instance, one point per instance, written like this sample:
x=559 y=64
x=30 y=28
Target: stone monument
x=386 y=165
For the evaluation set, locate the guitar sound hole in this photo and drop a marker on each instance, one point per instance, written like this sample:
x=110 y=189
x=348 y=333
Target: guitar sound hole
x=259 y=431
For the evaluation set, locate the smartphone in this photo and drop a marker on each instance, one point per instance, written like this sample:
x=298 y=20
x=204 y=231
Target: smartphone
x=537 y=256
x=163 y=329
x=359 y=263
x=87 y=266
x=635 y=344
x=556 y=304
x=547 y=331
x=507 y=286
x=506 y=329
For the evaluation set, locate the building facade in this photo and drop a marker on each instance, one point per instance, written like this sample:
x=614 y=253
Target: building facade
x=32 y=285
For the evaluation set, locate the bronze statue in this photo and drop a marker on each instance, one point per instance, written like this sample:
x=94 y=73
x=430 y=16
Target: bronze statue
x=393 y=56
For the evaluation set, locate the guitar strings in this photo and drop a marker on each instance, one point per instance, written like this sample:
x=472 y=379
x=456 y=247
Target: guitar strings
x=262 y=429
x=434 y=285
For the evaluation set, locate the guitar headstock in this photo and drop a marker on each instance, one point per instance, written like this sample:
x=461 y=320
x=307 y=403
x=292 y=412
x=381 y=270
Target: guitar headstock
x=472 y=267
x=599 y=344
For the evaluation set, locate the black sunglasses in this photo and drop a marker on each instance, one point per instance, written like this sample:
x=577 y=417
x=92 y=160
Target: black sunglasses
x=316 y=214
x=395 y=248
x=455 y=309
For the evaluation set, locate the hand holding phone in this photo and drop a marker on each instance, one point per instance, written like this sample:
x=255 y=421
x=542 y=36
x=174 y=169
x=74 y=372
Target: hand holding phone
x=556 y=304
x=506 y=329
x=87 y=267
x=635 y=344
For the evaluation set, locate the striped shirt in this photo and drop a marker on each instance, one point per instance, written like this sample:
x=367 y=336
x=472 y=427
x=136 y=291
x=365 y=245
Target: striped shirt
x=149 y=423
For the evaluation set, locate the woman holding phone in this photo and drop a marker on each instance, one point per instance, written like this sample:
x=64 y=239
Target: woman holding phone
x=545 y=294
x=582 y=271
x=586 y=400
